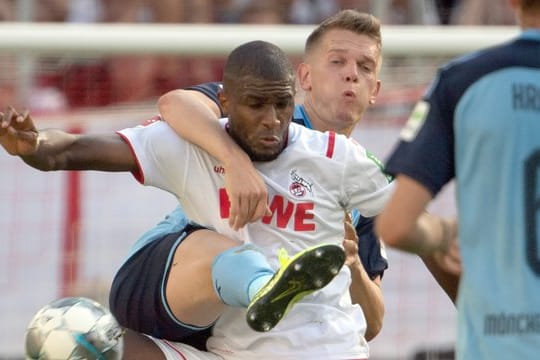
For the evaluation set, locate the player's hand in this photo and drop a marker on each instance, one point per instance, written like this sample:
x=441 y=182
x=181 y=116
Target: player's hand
x=18 y=135
x=448 y=257
x=247 y=193
x=450 y=260
x=350 y=243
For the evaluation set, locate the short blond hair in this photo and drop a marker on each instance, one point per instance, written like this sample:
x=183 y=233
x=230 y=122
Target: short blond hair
x=351 y=20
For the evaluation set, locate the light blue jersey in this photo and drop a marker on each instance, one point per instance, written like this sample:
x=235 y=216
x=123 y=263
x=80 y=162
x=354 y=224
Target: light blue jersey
x=482 y=126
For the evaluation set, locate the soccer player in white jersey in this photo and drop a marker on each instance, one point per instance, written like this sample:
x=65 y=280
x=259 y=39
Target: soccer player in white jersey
x=480 y=124
x=337 y=96
x=314 y=175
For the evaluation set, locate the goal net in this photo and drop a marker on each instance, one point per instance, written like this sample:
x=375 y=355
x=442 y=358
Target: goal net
x=66 y=233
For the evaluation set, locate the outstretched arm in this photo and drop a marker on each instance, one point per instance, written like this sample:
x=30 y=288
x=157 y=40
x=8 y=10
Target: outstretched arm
x=364 y=291
x=404 y=224
x=193 y=116
x=55 y=149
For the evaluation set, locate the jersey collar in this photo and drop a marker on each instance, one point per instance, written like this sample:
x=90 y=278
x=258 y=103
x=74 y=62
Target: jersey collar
x=301 y=117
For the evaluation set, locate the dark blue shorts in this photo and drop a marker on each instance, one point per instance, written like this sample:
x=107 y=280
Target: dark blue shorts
x=137 y=297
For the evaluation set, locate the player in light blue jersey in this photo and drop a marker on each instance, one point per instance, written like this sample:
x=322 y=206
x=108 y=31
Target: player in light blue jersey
x=480 y=124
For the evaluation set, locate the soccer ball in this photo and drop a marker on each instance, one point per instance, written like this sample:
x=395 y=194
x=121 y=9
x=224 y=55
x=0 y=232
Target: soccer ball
x=74 y=328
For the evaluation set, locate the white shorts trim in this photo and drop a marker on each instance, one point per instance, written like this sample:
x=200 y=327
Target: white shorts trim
x=178 y=351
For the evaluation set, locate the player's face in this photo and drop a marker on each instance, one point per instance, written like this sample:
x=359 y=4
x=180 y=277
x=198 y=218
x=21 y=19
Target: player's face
x=340 y=79
x=259 y=116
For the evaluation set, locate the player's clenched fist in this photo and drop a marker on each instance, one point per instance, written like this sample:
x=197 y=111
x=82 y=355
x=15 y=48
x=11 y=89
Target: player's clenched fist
x=18 y=135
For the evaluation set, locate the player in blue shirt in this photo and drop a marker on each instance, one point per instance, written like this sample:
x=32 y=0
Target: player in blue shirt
x=480 y=124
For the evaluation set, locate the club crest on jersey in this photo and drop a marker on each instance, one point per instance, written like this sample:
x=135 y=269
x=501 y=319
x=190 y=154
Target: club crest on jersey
x=299 y=186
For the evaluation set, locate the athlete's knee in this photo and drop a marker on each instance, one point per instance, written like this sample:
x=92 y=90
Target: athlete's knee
x=235 y=270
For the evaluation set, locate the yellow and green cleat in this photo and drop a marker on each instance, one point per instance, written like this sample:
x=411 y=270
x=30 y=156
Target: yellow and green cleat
x=304 y=273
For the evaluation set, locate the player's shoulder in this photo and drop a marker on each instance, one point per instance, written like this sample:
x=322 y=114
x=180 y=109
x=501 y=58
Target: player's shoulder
x=465 y=70
x=210 y=89
x=328 y=144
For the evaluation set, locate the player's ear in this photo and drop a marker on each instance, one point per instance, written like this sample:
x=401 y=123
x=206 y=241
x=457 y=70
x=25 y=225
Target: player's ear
x=304 y=76
x=223 y=101
x=375 y=92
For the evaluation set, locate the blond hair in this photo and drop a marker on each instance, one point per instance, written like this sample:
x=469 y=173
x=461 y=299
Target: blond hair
x=350 y=20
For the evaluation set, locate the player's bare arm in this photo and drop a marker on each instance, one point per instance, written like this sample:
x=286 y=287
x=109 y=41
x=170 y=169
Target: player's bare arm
x=416 y=231
x=54 y=149
x=193 y=116
x=442 y=259
x=432 y=238
x=364 y=291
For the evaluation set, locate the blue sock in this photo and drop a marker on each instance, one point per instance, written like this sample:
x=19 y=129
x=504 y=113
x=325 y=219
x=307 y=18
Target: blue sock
x=239 y=273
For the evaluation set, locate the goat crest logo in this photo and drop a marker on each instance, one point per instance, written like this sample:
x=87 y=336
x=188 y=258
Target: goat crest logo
x=299 y=186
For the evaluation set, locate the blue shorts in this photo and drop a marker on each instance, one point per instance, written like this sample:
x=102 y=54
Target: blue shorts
x=137 y=297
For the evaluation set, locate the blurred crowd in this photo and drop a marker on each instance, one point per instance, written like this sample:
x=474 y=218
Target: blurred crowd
x=87 y=82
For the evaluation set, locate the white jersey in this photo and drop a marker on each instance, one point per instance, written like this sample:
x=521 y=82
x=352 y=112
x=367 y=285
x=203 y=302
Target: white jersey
x=311 y=184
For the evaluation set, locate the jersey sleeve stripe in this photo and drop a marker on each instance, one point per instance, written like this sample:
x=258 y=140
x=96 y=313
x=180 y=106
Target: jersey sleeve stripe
x=331 y=144
x=137 y=174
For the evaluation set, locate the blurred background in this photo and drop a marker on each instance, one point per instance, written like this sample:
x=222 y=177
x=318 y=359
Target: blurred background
x=64 y=234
